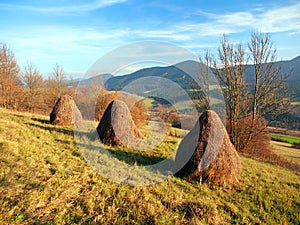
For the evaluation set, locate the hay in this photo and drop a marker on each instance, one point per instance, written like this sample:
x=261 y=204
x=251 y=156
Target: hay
x=65 y=112
x=138 y=109
x=213 y=157
x=116 y=127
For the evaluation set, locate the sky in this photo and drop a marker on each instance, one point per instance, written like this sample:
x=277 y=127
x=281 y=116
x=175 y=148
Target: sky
x=76 y=33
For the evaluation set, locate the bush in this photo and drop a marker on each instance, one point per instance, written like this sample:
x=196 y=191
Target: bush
x=250 y=134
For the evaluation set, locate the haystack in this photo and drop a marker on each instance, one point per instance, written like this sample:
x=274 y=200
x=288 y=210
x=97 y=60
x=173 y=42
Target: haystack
x=116 y=127
x=206 y=153
x=65 y=112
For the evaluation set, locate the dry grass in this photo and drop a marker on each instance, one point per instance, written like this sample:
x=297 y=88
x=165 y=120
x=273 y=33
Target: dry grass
x=286 y=150
x=263 y=152
x=45 y=180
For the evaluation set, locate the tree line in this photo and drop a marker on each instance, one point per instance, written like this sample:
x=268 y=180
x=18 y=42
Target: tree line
x=26 y=89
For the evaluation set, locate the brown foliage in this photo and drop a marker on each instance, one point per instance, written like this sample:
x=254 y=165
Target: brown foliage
x=247 y=131
x=103 y=100
x=33 y=83
x=10 y=84
x=116 y=127
x=65 y=112
x=258 y=147
x=214 y=159
x=173 y=118
x=170 y=115
x=26 y=90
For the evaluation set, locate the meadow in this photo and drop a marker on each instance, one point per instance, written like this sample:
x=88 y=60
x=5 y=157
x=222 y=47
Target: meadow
x=285 y=138
x=44 y=179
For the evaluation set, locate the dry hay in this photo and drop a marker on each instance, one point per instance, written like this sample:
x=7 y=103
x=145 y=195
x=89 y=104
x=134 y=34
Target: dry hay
x=65 y=112
x=213 y=157
x=116 y=127
x=137 y=107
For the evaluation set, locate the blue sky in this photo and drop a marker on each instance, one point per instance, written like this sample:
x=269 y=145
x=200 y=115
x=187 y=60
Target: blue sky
x=75 y=33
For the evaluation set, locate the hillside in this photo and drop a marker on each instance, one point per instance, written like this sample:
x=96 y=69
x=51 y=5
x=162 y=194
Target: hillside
x=45 y=180
x=291 y=67
x=174 y=73
x=287 y=66
x=170 y=72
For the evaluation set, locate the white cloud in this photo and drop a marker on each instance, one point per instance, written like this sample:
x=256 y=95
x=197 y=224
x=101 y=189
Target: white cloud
x=280 y=20
x=68 y=8
x=266 y=20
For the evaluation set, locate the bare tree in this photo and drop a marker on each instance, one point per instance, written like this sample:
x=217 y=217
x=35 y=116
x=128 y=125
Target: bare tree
x=60 y=80
x=33 y=82
x=9 y=78
x=206 y=62
x=231 y=75
x=270 y=94
x=249 y=101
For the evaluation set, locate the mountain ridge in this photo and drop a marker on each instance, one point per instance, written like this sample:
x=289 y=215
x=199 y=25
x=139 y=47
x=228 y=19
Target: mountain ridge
x=177 y=73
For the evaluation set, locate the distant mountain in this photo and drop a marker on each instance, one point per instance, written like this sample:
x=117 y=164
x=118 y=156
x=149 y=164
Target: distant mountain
x=173 y=73
x=287 y=66
x=98 y=79
x=179 y=74
x=293 y=64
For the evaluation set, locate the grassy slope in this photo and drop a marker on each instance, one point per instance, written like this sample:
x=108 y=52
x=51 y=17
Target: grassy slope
x=286 y=150
x=44 y=179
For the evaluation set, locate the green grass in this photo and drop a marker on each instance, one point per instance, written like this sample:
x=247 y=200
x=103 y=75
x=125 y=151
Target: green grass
x=45 y=180
x=286 y=138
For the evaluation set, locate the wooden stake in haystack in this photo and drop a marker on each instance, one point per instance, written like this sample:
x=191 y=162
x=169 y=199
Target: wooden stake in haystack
x=206 y=153
x=65 y=112
x=116 y=127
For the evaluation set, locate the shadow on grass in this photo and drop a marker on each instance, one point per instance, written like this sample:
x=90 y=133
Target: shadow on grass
x=65 y=142
x=43 y=121
x=125 y=155
x=295 y=146
x=135 y=157
x=52 y=128
x=129 y=157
